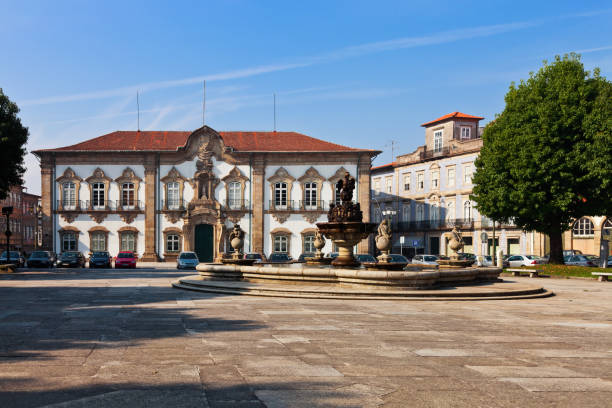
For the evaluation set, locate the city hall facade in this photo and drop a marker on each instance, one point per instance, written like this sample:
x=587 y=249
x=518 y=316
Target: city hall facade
x=158 y=193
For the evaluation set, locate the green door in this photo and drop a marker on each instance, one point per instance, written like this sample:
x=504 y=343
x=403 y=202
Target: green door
x=204 y=242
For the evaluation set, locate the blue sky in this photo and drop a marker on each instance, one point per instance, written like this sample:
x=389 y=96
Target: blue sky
x=352 y=72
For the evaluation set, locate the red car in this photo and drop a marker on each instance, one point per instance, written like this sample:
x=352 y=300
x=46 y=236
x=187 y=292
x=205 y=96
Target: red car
x=125 y=259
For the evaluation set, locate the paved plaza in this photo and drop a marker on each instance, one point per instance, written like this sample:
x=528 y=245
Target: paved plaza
x=107 y=338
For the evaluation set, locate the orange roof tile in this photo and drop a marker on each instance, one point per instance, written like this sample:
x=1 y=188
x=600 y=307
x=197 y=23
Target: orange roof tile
x=172 y=140
x=457 y=115
x=383 y=166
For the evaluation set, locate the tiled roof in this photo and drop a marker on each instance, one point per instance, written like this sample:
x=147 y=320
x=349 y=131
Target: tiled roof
x=383 y=166
x=452 y=115
x=171 y=141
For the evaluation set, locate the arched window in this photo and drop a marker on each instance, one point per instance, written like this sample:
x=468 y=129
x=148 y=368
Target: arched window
x=281 y=243
x=98 y=241
x=434 y=213
x=420 y=212
x=173 y=195
x=233 y=194
x=69 y=242
x=280 y=195
x=69 y=198
x=467 y=210
x=127 y=196
x=172 y=243
x=583 y=227
x=128 y=241
x=450 y=211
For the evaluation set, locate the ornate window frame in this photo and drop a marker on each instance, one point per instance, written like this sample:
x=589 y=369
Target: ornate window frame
x=124 y=230
x=172 y=255
x=312 y=176
x=278 y=232
x=235 y=175
x=69 y=230
x=97 y=230
x=69 y=176
x=281 y=176
x=173 y=176
x=98 y=176
x=128 y=176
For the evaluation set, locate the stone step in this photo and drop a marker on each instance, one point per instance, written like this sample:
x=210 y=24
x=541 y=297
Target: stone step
x=495 y=291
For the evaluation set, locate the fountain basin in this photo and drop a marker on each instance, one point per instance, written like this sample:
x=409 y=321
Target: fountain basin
x=346 y=235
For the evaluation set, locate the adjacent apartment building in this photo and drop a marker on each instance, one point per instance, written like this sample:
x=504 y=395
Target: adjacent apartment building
x=160 y=192
x=23 y=222
x=427 y=192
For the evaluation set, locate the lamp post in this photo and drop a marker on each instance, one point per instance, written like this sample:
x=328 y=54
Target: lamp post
x=7 y=211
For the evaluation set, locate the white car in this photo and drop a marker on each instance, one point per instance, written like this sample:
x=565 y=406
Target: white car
x=425 y=260
x=524 y=260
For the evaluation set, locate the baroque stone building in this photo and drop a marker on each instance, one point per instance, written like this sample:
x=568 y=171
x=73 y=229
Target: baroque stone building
x=158 y=193
x=23 y=222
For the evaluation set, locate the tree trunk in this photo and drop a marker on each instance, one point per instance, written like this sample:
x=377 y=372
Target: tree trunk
x=556 y=247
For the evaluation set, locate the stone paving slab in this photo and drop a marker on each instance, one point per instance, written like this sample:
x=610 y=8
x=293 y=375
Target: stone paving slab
x=81 y=338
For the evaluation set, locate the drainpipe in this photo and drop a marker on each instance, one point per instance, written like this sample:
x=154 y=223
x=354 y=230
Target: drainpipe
x=157 y=214
x=251 y=201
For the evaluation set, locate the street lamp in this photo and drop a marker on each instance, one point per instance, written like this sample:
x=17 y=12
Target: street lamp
x=7 y=211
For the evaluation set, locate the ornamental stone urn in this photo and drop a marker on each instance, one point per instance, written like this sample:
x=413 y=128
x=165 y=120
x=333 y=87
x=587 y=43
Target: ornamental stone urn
x=237 y=242
x=319 y=243
x=455 y=244
x=383 y=241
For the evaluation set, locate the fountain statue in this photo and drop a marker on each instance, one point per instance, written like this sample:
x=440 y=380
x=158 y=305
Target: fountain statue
x=236 y=237
x=345 y=226
x=384 y=242
x=319 y=243
x=455 y=244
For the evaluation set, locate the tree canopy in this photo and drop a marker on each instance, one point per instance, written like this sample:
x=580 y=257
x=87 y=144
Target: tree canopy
x=546 y=159
x=13 y=137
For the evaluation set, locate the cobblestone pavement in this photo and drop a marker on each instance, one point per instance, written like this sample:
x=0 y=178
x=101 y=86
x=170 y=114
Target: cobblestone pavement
x=109 y=338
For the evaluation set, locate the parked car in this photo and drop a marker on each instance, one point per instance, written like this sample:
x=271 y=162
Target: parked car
x=467 y=256
x=125 y=259
x=301 y=258
x=581 y=260
x=100 y=259
x=397 y=258
x=253 y=255
x=524 y=260
x=332 y=255
x=71 y=259
x=610 y=261
x=365 y=258
x=187 y=260
x=40 y=259
x=279 y=257
x=15 y=258
x=568 y=252
x=425 y=260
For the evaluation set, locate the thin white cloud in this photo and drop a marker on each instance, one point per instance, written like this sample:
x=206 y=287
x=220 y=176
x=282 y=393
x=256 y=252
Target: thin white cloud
x=343 y=53
x=588 y=50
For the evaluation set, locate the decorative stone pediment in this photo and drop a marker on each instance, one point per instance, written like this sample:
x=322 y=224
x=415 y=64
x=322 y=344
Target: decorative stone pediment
x=338 y=175
x=69 y=175
x=126 y=228
x=311 y=175
x=281 y=175
x=172 y=230
x=434 y=166
x=173 y=175
x=128 y=175
x=98 y=229
x=281 y=230
x=69 y=228
x=235 y=175
x=98 y=176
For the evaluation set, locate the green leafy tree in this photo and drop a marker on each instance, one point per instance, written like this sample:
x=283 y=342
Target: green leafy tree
x=13 y=137
x=546 y=159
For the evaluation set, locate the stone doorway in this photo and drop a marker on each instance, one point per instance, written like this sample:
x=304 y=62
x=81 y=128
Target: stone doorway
x=204 y=242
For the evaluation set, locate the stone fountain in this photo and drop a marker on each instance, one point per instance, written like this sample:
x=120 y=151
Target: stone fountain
x=345 y=226
x=384 y=241
x=319 y=243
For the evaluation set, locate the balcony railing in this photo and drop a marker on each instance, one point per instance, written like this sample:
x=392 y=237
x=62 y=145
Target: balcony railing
x=428 y=154
x=174 y=205
x=236 y=205
x=283 y=205
x=97 y=205
x=313 y=205
x=405 y=226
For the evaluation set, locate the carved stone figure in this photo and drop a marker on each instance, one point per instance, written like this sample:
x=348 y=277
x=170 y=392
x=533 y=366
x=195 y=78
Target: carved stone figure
x=456 y=242
x=237 y=240
x=347 y=211
x=383 y=240
x=319 y=243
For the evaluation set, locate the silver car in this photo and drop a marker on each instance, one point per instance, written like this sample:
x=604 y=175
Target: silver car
x=524 y=260
x=425 y=260
x=187 y=260
x=581 y=260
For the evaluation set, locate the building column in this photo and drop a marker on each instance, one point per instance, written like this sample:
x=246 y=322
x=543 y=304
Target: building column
x=149 y=254
x=46 y=196
x=363 y=173
x=257 y=185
